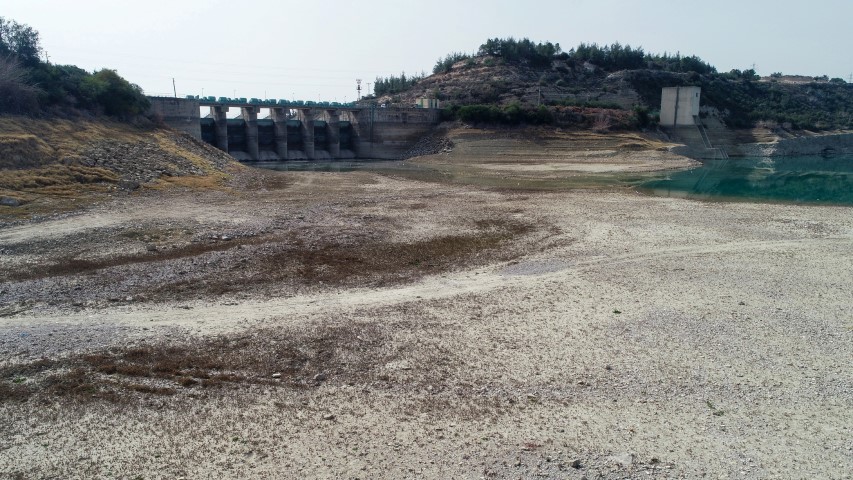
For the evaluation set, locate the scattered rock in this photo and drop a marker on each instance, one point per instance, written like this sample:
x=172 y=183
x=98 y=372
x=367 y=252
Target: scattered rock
x=151 y=247
x=10 y=202
x=320 y=377
x=276 y=375
x=128 y=185
x=623 y=459
x=429 y=145
x=328 y=417
x=576 y=464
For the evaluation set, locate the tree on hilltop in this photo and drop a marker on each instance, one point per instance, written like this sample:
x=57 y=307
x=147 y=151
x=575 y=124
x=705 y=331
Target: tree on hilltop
x=20 y=41
x=27 y=83
x=513 y=51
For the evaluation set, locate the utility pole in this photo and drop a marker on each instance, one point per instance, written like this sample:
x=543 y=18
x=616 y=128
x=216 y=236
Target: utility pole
x=174 y=89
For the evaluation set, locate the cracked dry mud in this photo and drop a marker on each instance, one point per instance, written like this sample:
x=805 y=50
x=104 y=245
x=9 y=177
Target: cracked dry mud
x=313 y=325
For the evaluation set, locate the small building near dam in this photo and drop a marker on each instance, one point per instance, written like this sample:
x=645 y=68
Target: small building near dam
x=679 y=106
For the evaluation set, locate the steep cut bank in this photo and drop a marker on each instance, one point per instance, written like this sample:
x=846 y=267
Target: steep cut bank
x=545 y=157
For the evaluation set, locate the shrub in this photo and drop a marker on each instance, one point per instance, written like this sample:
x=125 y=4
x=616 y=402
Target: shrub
x=117 y=96
x=642 y=116
x=58 y=85
x=16 y=95
x=512 y=114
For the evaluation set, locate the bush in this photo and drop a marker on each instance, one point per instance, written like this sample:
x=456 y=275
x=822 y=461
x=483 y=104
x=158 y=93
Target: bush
x=571 y=102
x=117 y=96
x=480 y=114
x=642 y=116
x=59 y=85
x=16 y=95
x=512 y=114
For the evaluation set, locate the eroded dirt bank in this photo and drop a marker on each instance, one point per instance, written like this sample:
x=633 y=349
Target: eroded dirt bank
x=360 y=326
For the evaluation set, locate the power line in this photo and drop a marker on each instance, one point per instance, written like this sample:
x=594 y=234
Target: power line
x=216 y=66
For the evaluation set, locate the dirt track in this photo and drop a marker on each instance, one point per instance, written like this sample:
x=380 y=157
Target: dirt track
x=485 y=333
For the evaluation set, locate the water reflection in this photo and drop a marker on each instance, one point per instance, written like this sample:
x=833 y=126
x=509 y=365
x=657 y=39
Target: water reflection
x=808 y=179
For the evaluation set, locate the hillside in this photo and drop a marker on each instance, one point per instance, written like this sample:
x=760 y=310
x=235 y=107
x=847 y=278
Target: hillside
x=577 y=85
x=69 y=137
x=49 y=164
x=486 y=80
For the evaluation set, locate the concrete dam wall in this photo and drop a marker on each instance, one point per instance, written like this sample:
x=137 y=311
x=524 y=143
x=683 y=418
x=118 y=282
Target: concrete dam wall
x=299 y=132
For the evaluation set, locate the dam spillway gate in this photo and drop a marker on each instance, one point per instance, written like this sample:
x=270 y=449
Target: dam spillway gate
x=298 y=132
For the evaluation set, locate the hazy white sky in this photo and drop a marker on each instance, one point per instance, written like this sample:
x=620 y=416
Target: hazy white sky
x=317 y=49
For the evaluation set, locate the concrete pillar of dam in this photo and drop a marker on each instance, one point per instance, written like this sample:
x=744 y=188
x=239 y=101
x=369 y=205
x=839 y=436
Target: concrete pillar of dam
x=363 y=128
x=250 y=116
x=334 y=133
x=279 y=119
x=307 y=118
x=221 y=122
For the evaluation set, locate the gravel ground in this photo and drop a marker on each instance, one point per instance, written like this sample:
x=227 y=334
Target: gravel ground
x=596 y=334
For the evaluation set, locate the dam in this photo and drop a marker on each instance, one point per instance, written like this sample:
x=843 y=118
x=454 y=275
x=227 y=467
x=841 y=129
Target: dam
x=269 y=130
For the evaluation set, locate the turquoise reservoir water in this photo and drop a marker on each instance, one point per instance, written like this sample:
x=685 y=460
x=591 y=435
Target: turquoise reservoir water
x=809 y=179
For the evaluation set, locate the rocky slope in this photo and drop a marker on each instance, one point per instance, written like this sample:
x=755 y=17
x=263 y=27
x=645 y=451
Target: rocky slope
x=49 y=162
x=484 y=80
x=741 y=99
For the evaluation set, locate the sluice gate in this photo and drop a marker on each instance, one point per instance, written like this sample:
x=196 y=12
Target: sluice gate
x=272 y=131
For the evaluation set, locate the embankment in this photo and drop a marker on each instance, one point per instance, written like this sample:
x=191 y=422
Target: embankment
x=829 y=144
